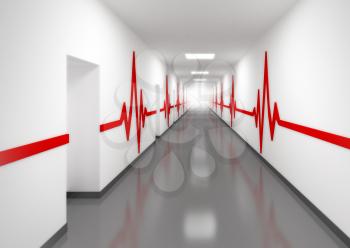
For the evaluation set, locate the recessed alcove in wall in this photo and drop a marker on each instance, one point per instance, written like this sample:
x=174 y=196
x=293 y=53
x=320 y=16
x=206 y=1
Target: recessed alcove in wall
x=83 y=125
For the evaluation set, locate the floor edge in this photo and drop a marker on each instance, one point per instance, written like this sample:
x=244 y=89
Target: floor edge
x=56 y=236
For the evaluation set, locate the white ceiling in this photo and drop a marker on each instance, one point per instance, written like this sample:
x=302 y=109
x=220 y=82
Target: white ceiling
x=225 y=27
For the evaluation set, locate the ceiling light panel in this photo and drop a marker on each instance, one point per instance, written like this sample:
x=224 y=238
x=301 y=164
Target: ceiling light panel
x=200 y=56
x=199 y=72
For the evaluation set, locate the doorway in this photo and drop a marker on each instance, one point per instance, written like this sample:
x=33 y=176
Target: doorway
x=83 y=125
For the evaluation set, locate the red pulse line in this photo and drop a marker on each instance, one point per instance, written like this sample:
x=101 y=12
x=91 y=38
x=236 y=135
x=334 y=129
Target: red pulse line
x=141 y=112
x=183 y=98
x=167 y=105
x=274 y=119
x=178 y=103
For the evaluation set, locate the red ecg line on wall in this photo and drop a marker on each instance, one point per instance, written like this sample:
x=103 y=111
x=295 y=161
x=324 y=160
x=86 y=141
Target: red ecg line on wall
x=141 y=112
x=183 y=98
x=216 y=98
x=167 y=105
x=274 y=119
x=178 y=103
x=21 y=152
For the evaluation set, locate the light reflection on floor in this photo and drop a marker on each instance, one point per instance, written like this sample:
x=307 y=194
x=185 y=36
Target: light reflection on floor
x=170 y=201
x=200 y=226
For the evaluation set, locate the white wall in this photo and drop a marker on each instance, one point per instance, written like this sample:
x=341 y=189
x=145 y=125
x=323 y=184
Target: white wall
x=36 y=38
x=309 y=57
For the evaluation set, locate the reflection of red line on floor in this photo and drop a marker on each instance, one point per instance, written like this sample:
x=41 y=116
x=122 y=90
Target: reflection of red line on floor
x=265 y=211
x=141 y=112
x=128 y=235
x=21 y=152
x=274 y=119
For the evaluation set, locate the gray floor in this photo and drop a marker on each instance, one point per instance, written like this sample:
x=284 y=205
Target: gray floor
x=198 y=186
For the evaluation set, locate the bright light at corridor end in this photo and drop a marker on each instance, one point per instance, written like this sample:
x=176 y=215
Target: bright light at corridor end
x=203 y=56
x=200 y=79
x=199 y=72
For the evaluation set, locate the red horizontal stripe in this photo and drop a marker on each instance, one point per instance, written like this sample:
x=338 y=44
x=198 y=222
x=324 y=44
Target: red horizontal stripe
x=322 y=135
x=110 y=125
x=21 y=152
x=150 y=113
x=246 y=112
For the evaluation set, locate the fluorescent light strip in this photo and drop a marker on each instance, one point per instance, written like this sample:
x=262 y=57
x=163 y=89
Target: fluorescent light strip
x=199 y=72
x=200 y=55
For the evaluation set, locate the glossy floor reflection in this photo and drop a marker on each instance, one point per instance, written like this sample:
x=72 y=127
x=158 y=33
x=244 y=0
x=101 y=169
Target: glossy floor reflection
x=198 y=186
